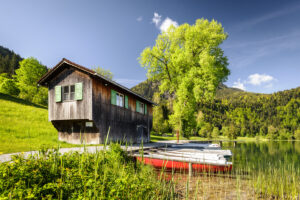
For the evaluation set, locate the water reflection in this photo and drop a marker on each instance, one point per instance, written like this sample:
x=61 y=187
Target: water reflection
x=263 y=154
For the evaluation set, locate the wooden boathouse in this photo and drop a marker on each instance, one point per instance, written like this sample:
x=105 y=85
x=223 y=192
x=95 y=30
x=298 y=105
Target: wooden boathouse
x=84 y=106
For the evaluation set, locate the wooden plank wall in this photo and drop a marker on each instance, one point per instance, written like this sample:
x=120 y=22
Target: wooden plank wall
x=75 y=132
x=73 y=109
x=125 y=124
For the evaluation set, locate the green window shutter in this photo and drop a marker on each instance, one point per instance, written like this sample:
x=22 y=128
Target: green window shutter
x=78 y=91
x=113 y=97
x=137 y=106
x=57 y=93
x=146 y=109
x=126 y=101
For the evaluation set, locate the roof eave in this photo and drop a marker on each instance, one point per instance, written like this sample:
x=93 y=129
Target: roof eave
x=43 y=79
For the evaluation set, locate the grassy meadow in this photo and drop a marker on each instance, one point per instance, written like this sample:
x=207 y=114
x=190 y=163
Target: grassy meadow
x=261 y=169
x=112 y=174
x=24 y=126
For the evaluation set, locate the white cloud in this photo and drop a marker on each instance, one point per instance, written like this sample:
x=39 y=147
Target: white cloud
x=258 y=79
x=238 y=84
x=139 y=19
x=156 y=19
x=167 y=23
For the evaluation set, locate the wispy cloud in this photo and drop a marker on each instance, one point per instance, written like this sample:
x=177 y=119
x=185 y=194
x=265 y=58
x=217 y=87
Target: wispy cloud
x=139 y=19
x=156 y=19
x=238 y=84
x=269 y=16
x=242 y=54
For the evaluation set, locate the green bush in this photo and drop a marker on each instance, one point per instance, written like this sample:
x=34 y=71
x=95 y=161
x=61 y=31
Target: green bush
x=205 y=131
x=284 y=135
x=215 y=132
x=107 y=174
x=8 y=85
x=272 y=132
x=297 y=134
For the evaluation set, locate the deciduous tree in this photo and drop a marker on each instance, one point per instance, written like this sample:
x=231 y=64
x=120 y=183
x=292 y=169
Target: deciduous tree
x=104 y=72
x=30 y=71
x=190 y=64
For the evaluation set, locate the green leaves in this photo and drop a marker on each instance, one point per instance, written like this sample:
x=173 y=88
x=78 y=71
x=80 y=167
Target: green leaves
x=110 y=174
x=104 y=72
x=189 y=63
x=27 y=75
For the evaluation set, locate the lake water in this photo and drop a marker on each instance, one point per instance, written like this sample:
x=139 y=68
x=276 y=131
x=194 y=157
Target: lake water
x=261 y=170
x=260 y=155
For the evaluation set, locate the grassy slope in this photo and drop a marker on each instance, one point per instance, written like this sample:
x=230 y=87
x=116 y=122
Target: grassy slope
x=24 y=126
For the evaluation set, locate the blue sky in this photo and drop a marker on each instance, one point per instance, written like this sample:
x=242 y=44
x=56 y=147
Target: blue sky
x=263 y=46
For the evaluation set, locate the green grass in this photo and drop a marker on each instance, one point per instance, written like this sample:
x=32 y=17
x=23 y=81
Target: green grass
x=24 y=126
x=110 y=174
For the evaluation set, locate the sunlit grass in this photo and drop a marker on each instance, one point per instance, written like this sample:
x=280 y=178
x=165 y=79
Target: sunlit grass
x=25 y=126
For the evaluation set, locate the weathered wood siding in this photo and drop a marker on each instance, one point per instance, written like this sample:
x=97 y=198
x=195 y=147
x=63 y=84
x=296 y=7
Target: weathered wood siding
x=70 y=110
x=75 y=132
x=70 y=117
x=124 y=124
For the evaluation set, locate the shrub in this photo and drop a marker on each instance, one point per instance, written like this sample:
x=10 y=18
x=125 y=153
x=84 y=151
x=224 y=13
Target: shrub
x=205 y=130
x=8 y=85
x=284 y=135
x=272 y=132
x=104 y=175
x=215 y=132
x=232 y=133
x=297 y=134
x=224 y=130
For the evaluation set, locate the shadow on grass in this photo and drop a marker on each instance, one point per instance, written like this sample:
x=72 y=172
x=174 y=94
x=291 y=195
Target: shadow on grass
x=21 y=101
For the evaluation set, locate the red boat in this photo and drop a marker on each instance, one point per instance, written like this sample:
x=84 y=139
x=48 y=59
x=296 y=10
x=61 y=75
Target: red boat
x=183 y=157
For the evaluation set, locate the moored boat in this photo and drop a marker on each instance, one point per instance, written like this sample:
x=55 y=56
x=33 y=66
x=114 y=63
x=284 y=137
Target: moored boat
x=185 y=156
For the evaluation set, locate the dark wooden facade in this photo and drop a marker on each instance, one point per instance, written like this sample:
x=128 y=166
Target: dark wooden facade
x=70 y=117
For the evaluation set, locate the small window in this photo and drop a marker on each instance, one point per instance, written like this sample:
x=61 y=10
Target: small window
x=140 y=107
x=68 y=92
x=120 y=100
x=72 y=93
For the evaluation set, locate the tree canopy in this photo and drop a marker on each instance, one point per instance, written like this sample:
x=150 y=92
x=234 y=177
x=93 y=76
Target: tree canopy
x=9 y=61
x=189 y=64
x=104 y=72
x=30 y=71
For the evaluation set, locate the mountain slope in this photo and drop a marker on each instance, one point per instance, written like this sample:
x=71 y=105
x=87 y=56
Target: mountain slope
x=9 y=61
x=239 y=113
x=148 y=88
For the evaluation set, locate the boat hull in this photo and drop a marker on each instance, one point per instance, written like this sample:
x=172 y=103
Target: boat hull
x=183 y=166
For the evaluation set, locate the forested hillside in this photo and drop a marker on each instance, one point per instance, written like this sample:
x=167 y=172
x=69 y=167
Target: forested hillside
x=18 y=77
x=9 y=61
x=234 y=113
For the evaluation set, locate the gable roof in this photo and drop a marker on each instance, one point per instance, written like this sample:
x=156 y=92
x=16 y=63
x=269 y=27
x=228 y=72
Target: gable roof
x=59 y=67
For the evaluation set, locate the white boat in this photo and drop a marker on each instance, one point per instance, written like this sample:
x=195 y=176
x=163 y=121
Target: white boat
x=201 y=157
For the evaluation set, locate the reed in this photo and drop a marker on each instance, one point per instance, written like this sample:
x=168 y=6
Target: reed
x=109 y=174
x=112 y=174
